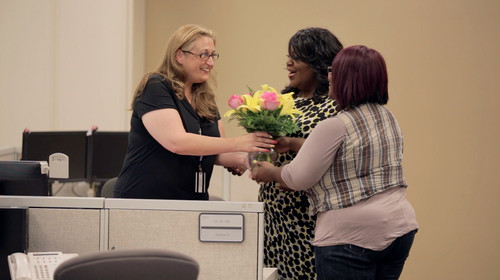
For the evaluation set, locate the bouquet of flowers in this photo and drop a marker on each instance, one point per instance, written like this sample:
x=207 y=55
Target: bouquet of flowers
x=264 y=110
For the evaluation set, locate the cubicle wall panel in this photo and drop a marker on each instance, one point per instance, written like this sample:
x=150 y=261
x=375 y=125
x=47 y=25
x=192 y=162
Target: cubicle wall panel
x=65 y=230
x=178 y=230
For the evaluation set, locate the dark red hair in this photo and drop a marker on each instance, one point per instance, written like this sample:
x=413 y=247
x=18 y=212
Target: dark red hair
x=359 y=76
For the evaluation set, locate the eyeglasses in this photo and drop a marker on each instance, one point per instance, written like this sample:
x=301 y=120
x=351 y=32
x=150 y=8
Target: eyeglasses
x=329 y=70
x=204 y=55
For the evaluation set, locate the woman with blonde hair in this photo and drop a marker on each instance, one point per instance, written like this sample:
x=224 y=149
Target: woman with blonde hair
x=176 y=135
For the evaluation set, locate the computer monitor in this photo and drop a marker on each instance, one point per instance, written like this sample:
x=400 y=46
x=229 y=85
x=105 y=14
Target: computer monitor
x=105 y=154
x=40 y=145
x=24 y=178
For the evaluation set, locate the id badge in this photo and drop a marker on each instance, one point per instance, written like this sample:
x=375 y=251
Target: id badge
x=200 y=182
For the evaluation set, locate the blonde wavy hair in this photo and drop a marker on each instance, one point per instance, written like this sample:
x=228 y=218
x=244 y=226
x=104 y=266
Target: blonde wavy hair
x=203 y=93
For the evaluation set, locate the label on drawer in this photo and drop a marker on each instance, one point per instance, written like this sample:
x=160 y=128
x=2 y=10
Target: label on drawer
x=219 y=227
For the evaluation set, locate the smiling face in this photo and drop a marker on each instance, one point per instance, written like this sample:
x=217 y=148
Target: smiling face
x=301 y=75
x=196 y=69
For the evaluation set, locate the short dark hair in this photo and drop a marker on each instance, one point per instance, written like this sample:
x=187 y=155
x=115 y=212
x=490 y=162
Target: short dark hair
x=317 y=47
x=359 y=75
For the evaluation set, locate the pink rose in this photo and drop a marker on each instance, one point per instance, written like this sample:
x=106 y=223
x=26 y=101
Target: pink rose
x=269 y=96
x=235 y=101
x=270 y=101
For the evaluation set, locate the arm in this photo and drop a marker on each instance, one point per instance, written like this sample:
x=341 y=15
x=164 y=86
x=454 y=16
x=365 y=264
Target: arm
x=236 y=163
x=311 y=162
x=165 y=126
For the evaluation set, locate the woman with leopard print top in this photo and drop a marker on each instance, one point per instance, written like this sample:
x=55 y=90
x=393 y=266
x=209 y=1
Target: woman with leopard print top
x=289 y=229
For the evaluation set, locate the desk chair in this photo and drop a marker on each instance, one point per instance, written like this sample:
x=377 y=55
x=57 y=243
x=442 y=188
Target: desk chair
x=144 y=264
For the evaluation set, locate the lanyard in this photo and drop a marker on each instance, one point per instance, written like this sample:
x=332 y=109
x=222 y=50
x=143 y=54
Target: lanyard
x=200 y=185
x=201 y=158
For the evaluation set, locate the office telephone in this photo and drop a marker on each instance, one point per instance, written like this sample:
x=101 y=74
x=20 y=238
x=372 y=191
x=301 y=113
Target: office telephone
x=35 y=266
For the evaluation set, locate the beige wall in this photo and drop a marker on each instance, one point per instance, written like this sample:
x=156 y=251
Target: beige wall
x=68 y=65
x=443 y=64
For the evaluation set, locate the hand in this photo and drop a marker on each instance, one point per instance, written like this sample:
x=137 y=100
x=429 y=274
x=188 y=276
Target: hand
x=286 y=144
x=236 y=171
x=256 y=142
x=262 y=171
x=241 y=166
x=282 y=145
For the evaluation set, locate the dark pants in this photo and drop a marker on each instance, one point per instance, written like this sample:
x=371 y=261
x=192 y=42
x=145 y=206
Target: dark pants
x=345 y=262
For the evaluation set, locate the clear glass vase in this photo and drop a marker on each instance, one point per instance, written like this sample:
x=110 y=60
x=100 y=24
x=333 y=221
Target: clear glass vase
x=270 y=156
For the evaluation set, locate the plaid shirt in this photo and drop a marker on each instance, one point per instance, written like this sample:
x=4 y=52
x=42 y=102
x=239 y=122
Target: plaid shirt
x=366 y=163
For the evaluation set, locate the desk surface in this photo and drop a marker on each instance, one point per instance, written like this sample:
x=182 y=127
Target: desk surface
x=186 y=205
x=119 y=203
x=51 y=201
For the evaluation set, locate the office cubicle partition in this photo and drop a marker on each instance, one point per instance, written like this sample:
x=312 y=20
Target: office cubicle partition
x=66 y=224
x=177 y=225
x=226 y=238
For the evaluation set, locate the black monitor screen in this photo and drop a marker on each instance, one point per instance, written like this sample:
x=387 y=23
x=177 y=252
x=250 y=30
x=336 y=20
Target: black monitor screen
x=107 y=150
x=40 y=145
x=23 y=178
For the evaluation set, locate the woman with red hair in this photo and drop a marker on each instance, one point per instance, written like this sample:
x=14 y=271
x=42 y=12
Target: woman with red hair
x=351 y=168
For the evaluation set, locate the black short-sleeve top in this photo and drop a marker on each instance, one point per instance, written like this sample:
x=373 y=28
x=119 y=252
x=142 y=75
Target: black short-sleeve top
x=150 y=170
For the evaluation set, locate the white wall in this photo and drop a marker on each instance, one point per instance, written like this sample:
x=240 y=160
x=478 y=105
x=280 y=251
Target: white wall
x=27 y=31
x=68 y=64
